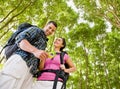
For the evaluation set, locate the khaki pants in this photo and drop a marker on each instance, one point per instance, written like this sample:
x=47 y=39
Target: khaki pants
x=15 y=74
x=46 y=85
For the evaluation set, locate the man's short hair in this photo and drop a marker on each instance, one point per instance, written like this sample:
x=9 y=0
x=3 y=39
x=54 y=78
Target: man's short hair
x=53 y=22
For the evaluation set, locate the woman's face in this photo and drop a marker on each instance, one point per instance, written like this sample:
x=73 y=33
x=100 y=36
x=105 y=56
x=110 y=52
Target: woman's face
x=58 y=43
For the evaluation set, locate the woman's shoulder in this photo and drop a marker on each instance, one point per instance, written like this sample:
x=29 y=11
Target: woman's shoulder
x=65 y=55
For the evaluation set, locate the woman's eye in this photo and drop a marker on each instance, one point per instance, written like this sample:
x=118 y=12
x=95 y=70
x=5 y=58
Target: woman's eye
x=58 y=39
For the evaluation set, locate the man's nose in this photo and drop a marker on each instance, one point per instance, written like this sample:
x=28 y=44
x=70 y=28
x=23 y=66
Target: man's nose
x=51 y=31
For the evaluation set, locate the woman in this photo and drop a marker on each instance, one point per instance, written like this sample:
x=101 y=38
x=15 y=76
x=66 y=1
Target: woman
x=46 y=79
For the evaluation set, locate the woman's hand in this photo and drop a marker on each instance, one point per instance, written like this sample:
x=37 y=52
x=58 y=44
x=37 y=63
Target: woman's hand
x=62 y=66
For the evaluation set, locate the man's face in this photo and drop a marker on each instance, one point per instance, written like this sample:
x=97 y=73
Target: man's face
x=49 y=29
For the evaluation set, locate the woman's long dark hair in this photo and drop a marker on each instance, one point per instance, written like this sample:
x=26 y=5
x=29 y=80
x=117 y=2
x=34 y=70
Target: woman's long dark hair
x=64 y=44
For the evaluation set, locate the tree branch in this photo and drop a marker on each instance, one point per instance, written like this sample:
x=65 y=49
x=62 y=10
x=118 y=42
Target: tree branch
x=16 y=15
x=11 y=12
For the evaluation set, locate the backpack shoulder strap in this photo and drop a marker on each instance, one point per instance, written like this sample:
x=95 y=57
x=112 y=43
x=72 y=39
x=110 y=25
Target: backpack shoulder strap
x=56 y=78
x=62 y=57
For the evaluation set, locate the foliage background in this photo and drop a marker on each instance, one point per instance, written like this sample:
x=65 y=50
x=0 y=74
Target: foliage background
x=91 y=29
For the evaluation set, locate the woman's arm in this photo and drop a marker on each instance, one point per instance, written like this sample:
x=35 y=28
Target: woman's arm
x=71 y=68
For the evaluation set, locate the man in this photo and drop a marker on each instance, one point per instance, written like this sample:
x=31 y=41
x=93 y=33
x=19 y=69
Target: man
x=20 y=67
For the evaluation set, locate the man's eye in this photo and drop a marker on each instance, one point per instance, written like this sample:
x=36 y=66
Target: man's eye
x=49 y=27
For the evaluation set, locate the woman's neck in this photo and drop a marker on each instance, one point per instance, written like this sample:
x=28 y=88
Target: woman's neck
x=57 y=50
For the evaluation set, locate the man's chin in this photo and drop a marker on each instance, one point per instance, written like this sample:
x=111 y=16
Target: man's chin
x=49 y=34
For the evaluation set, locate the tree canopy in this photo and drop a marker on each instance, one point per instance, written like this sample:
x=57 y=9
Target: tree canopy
x=91 y=29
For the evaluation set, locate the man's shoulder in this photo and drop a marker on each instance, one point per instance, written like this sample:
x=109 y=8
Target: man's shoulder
x=36 y=28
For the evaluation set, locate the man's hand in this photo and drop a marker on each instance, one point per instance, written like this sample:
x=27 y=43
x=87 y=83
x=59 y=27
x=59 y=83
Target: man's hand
x=41 y=54
x=26 y=46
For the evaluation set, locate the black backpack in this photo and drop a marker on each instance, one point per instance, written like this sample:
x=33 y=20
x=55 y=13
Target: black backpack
x=11 y=46
x=59 y=73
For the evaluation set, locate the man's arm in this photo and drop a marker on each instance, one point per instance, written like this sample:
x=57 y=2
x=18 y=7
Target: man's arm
x=26 y=46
